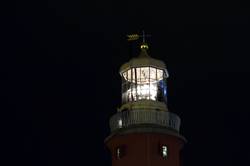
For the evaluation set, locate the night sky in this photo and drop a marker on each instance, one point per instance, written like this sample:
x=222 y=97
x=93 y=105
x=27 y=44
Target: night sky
x=60 y=81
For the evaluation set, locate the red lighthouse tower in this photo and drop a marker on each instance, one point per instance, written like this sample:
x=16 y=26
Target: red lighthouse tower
x=143 y=131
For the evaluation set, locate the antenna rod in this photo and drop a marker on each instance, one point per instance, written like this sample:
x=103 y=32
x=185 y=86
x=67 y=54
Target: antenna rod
x=143 y=36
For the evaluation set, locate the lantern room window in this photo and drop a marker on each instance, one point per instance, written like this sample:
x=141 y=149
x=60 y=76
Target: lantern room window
x=140 y=83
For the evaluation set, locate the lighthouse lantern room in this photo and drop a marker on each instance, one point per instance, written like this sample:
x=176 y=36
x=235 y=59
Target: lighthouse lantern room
x=143 y=130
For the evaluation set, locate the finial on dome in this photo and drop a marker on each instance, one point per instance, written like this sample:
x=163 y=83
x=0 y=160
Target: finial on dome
x=144 y=46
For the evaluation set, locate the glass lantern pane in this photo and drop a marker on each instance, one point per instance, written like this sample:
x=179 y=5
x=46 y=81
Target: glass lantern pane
x=152 y=74
x=159 y=74
x=144 y=83
x=129 y=78
x=144 y=75
x=124 y=75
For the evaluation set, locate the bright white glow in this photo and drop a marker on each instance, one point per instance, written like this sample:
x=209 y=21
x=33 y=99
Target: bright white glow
x=164 y=151
x=120 y=123
x=143 y=92
x=143 y=75
x=118 y=152
x=143 y=83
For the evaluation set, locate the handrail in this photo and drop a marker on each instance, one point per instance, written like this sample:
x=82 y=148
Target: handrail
x=136 y=117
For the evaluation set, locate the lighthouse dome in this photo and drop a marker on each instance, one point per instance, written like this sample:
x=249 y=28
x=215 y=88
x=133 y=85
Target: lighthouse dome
x=144 y=82
x=143 y=60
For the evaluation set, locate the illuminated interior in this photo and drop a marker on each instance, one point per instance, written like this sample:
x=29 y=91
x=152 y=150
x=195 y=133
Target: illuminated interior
x=164 y=151
x=144 y=83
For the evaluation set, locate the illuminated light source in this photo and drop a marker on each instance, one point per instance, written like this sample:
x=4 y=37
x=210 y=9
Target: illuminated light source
x=164 y=151
x=120 y=123
x=143 y=74
x=120 y=151
x=143 y=92
x=144 y=83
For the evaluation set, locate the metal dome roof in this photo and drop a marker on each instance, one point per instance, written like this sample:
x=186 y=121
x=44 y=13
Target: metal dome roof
x=143 y=60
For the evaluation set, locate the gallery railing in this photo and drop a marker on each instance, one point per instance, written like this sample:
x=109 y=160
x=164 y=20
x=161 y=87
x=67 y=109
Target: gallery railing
x=137 y=117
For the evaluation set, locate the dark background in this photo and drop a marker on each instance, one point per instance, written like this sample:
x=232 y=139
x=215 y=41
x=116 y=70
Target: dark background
x=60 y=81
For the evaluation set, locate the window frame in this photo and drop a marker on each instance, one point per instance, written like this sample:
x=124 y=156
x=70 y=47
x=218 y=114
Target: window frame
x=161 y=150
x=120 y=152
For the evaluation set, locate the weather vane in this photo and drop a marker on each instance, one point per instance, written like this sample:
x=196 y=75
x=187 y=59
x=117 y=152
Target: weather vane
x=133 y=37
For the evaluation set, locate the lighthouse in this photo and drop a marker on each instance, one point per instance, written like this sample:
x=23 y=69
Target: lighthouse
x=143 y=131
